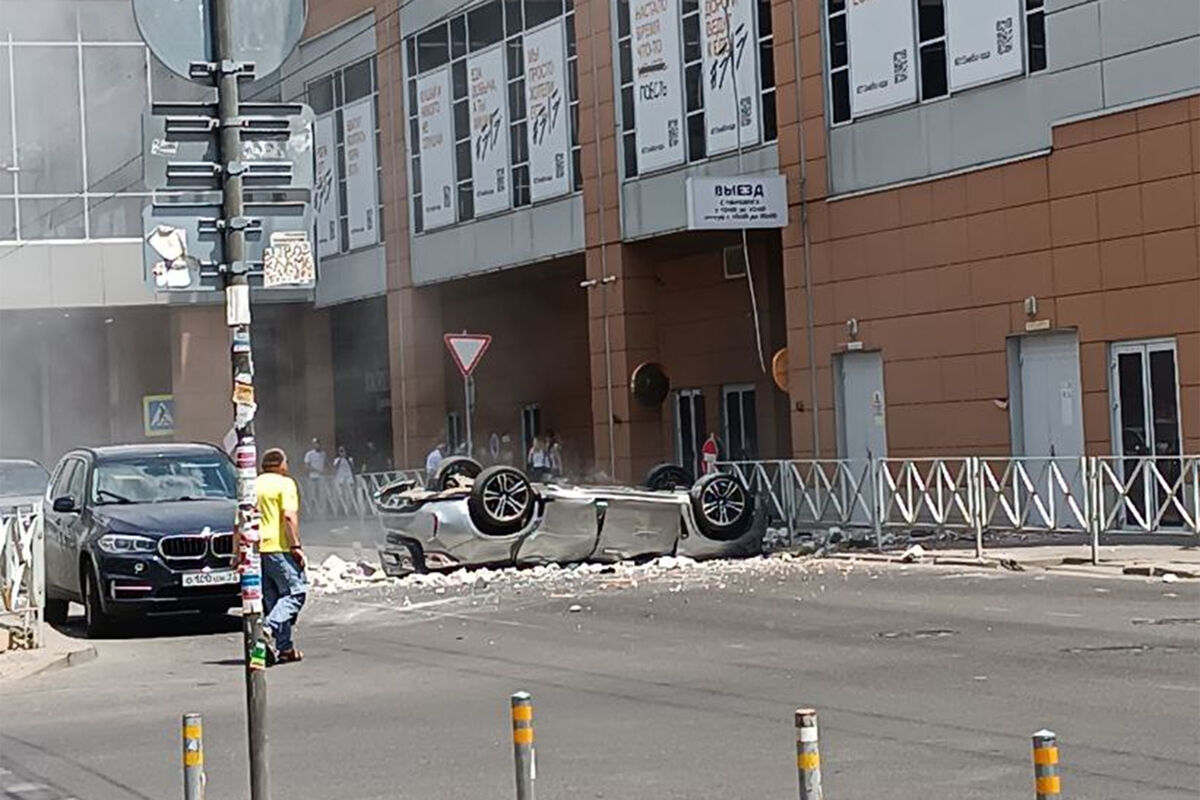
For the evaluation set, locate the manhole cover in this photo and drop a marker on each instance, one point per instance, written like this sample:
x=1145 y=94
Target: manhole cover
x=1168 y=621
x=1136 y=649
x=934 y=633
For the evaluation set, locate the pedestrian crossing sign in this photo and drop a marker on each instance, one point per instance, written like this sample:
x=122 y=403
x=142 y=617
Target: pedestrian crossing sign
x=158 y=414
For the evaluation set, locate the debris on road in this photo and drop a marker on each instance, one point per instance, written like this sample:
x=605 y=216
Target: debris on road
x=335 y=575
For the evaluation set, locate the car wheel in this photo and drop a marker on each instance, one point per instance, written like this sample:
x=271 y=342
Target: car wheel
x=453 y=467
x=667 y=477
x=97 y=623
x=501 y=501
x=55 y=612
x=723 y=506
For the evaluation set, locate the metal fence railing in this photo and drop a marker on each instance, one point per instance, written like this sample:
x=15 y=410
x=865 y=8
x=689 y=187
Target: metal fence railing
x=981 y=496
x=328 y=498
x=22 y=574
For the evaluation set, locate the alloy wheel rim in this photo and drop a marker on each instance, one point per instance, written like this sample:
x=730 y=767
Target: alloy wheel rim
x=506 y=497
x=722 y=501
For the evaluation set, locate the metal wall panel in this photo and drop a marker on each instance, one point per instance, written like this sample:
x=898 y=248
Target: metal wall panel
x=657 y=204
x=536 y=233
x=352 y=276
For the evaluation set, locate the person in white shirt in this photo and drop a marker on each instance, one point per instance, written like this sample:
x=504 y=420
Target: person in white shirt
x=314 y=465
x=343 y=479
x=539 y=460
x=433 y=460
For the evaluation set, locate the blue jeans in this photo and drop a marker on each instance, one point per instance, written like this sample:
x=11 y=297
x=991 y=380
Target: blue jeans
x=283 y=596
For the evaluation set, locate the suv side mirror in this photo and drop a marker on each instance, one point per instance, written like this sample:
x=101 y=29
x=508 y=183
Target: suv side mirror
x=65 y=505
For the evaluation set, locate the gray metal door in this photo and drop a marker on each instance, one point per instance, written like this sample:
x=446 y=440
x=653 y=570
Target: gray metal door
x=861 y=406
x=1050 y=421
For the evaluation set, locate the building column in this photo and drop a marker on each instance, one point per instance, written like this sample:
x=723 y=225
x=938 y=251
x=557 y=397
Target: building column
x=316 y=357
x=418 y=379
x=628 y=302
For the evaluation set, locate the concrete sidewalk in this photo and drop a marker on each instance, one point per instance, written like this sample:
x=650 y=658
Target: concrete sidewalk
x=1145 y=560
x=59 y=652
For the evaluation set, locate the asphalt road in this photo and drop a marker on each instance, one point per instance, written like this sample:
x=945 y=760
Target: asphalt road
x=929 y=682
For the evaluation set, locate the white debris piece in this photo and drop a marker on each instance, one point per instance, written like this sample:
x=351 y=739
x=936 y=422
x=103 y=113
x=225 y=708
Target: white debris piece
x=1170 y=577
x=913 y=553
x=574 y=608
x=680 y=573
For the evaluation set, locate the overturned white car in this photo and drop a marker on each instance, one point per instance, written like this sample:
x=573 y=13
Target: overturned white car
x=471 y=516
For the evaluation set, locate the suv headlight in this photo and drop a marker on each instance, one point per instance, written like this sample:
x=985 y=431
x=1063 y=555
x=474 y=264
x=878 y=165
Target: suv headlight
x=124 y=544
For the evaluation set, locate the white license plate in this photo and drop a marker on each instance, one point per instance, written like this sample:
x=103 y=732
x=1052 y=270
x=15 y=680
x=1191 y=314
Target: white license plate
x=219 y=578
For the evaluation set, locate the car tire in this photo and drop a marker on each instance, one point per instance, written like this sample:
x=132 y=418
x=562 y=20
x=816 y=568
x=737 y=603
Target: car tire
x=668 y=477
x=723 y=506
x=97 y=623
x=454 y=467
x=55 y=612
x=501 y=501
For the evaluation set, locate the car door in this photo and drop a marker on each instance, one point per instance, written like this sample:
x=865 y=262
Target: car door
x=75 y=525
x=54 y=526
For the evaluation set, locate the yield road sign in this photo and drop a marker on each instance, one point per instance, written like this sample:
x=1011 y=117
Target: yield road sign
x=467 y=350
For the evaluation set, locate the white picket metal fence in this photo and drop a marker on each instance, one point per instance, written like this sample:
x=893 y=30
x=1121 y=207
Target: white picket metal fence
x=978 y=495
x=329 y=499
x=22 y=574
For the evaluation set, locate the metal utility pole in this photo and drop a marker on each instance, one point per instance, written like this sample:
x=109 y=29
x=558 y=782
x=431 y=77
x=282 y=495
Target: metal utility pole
x=237 y=316
x=214 y=235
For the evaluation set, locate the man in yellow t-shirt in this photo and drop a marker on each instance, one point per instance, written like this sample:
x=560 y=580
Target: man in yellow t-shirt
x=284 y=587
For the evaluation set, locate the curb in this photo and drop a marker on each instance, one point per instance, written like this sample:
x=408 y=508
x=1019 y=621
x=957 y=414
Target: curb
x=1064 y=566
x=59 y=661
x=1157 y=571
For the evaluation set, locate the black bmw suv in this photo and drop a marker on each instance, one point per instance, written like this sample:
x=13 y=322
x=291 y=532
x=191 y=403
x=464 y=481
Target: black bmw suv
x=136 y=529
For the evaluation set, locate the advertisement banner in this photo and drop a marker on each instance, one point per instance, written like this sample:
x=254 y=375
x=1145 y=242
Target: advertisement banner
x=362 y=200
x=546 y=110
x=727 y=33
x=740 y=201
x=984 y=41
x=436 y=148
x=883 y=71
x=325 y=187
x=489 y=131
x=657 y=84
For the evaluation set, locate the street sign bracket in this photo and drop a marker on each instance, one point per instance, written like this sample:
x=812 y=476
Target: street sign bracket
x=211 y=70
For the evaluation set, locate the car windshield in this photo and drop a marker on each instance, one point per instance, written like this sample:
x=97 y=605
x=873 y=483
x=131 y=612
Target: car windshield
x=22 y=479
x=163 y=479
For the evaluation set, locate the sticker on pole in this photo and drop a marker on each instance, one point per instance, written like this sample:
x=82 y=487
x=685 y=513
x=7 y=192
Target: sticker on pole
x=467 y=349
x=289 y=261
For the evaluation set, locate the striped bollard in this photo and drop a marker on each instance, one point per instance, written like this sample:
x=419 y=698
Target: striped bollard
x=808 y=754
x=523 y=753
x=1045 y=765
x=193 y=757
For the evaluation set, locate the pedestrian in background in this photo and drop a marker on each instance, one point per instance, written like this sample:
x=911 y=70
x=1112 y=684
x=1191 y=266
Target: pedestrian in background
x=538 y=460
x=315 y=464
x=554 y=447
x=433 y=460
x=283 y=562
x=370 y=460
x=343 y=479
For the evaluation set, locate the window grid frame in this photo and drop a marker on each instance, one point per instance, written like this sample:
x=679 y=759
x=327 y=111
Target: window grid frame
x=508 y=41
x=338 y=89
x=1029 y=10
x=86 y=196
x=629 y=171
